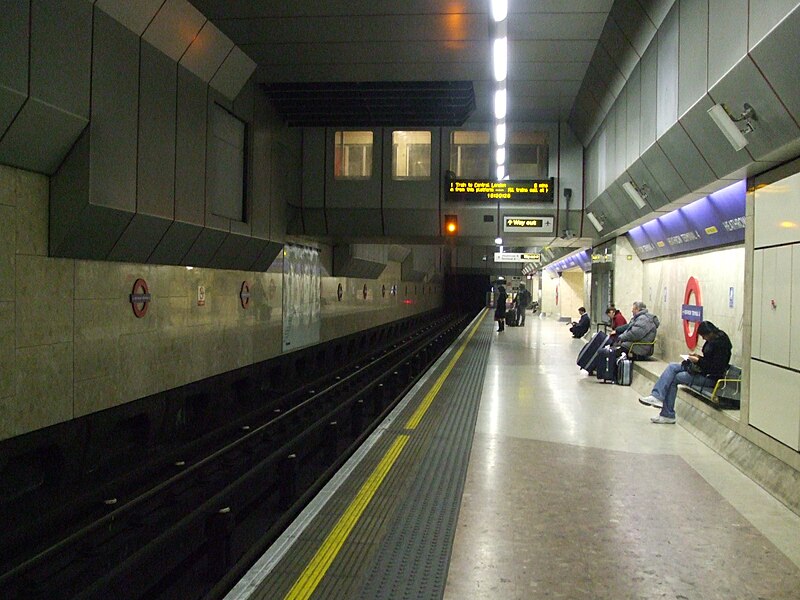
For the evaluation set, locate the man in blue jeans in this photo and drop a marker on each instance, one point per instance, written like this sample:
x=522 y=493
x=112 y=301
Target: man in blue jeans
x=702 y=369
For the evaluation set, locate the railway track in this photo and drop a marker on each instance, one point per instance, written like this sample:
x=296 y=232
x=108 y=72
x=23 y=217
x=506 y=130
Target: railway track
x=188 y=523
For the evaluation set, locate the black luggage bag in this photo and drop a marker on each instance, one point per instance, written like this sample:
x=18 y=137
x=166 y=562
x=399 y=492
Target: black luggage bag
x=607 y=365
x=624 y=370
x=512 y=317
x=587 y=357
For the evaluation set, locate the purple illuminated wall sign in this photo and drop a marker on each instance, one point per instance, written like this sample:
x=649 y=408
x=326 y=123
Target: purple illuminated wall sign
x=713 y=221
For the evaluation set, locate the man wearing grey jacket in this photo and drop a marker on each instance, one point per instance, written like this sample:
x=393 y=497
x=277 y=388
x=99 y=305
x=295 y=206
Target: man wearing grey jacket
x=642 y=328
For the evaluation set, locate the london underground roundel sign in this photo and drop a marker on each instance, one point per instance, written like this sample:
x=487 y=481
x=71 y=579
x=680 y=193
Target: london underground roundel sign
x=691 y=313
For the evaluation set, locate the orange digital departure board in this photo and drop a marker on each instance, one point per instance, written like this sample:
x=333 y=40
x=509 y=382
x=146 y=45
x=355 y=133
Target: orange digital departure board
x=484 y=190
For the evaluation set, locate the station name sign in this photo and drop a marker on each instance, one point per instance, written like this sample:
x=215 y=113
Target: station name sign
x=484 y=190
x=516 y=257
x=528 y=224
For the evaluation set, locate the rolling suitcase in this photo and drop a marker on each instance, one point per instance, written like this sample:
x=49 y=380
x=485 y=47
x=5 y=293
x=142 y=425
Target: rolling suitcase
x=606 y=365
x=587 y=357
x=512 y=318
x=624 y=370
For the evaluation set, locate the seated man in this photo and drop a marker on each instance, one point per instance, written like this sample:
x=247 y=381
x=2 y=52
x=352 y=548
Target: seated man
x=642 y=328
x=580 y=327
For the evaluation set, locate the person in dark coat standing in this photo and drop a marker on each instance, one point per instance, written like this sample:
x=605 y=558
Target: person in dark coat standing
x=500 y=308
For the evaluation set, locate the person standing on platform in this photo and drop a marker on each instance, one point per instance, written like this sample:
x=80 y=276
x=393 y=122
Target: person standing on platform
x=500 y=308
x=697 y=369
x=522 y=301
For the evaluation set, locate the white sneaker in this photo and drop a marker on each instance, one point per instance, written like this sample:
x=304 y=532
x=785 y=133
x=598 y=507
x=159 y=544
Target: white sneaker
x=664 y=420
x=651 y=401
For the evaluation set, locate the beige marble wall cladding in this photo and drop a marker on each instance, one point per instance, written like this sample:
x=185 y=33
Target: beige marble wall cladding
x=628 y=274
x=119 y=357
x=549 y=306
x=571 y=293
x=355 y=312
x=70 y=344
x=717 y=271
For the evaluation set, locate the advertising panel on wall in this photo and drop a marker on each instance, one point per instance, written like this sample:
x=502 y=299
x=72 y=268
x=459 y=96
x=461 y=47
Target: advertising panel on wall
x=716 y=220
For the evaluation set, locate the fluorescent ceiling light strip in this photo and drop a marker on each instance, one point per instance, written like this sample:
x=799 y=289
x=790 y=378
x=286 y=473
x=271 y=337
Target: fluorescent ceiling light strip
x=500 y=54
x=499 y=10
x=500 y=104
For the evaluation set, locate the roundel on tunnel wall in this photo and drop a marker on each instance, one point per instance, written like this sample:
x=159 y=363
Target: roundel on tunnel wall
x=691 y=313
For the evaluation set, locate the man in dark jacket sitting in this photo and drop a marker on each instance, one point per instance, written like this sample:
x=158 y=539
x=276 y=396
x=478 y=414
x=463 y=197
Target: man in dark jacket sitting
x=580 y=327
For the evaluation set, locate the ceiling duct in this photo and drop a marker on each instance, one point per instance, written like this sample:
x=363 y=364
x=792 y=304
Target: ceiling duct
x=361 y=261
x=373 y=104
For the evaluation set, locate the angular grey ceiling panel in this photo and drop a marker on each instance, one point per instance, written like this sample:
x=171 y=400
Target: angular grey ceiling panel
x=207 y=52
x=774 y=126
x=133 y=15
x=114 y=124
x=627 y=211
x=204 y=248
x=727 y=36
x=765 y=15
x=61 y=46
x=140 y=239
x=40 y=137
x=228 y=254
x=355 y=222
x=69 y=193
x=355 y=261
x=11 y=102
x=174 y=28
x=398 y=253
x=314 y=222
x=313 y=191
x=619 y=48
x=770 y=56
x=634 y=116
x=682 y=153
x=710 y=141
x=667 y=94
x=664 y=173
x=634 y=23
x=412 y=223
x=175 y=243
x=692 y=53
x=95 y=231
x=14 y=48
x=251 y=252
x=268 y=255
x=657 y=10
x=190 y=150
x=621 y=135
x=157 y=122
x=649 y=97
x=46 y=127
x=233 y=73
x=639 y=174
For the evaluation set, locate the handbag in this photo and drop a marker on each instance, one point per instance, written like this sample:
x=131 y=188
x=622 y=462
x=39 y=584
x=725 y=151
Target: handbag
x=691 y=368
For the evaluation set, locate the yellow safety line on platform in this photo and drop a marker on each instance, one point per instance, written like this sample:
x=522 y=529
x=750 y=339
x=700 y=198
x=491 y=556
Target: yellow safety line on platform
x=319 y=565
x=428 y=400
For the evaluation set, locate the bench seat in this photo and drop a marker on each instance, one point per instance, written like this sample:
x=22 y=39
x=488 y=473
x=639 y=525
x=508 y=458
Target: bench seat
x=725 y=393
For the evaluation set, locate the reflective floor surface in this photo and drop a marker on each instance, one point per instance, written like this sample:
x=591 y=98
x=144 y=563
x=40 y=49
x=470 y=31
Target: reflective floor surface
x=572 y=493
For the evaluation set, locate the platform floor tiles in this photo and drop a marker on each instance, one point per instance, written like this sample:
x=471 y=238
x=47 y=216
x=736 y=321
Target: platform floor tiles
x=572 y=493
